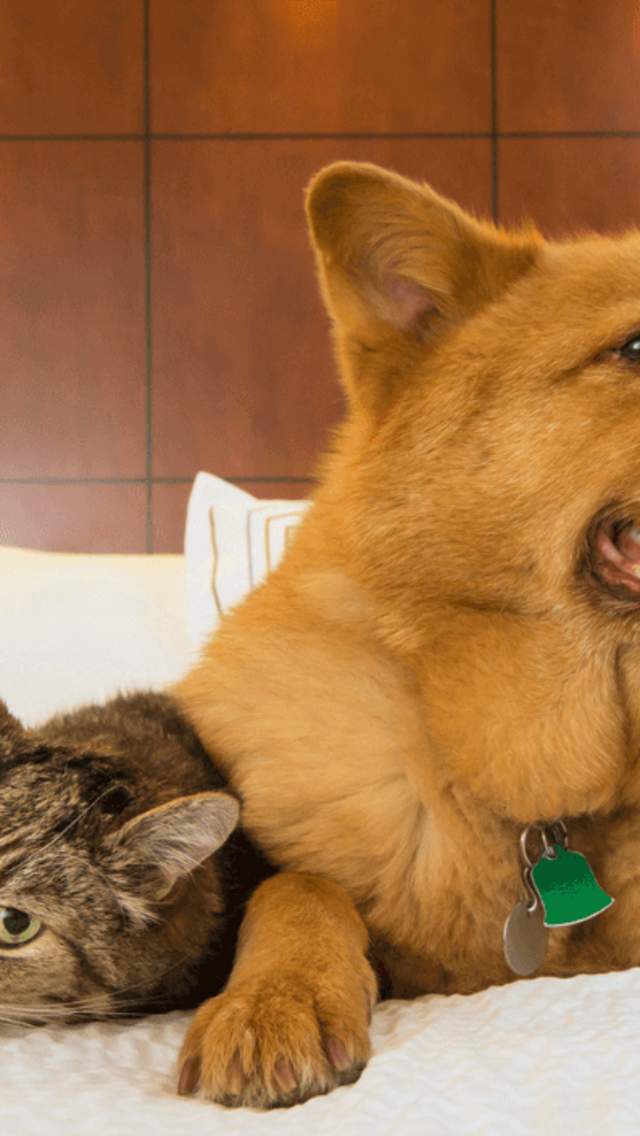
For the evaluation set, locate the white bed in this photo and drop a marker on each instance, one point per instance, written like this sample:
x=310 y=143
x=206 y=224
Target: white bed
x=528 y=1058
x=535 y=1057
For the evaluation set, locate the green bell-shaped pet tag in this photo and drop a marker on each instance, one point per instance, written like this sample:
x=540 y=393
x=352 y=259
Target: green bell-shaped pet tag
x=568 y=890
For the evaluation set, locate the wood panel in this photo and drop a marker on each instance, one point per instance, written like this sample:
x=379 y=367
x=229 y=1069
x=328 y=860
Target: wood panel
x=72 y=311
x=169 y=516
x=568 y=185
x=71 y=68
x=568 y=66
x=74 y=518
x=326 y=66
x=244 y=382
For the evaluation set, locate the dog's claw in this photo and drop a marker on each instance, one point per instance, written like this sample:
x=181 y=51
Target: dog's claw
x=189 y=1077
x=338 y=1055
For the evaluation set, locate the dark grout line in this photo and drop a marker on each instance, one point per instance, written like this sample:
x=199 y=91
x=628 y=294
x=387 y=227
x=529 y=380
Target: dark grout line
x=277 y=478
x=495 y=176
x=71 y=137
x=560 y=134
x=146 y=191
x=151 y=481
x=269 y=477
x=73 y=481
x=320 y=136
x=246 y=136
x=372 y=136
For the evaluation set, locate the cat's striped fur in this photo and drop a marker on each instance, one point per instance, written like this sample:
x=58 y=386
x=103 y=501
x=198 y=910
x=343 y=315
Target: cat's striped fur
x=110 y=823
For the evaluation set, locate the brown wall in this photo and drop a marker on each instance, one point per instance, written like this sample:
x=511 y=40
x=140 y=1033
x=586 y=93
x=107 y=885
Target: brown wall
x=158 y=312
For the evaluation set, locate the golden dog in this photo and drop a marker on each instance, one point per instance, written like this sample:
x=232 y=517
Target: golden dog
x=451 y=648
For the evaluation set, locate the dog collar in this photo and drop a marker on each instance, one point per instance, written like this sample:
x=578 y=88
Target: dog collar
x=560 y=889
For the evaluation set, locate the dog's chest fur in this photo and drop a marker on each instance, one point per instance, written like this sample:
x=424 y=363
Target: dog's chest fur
x=549 y=728
x=398 y=781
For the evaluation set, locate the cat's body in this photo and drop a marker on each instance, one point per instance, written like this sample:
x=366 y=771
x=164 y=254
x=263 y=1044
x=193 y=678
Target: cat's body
x=118 y=892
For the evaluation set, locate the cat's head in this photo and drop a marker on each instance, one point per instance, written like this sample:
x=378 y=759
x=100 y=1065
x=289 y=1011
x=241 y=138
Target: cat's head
x=103 y=907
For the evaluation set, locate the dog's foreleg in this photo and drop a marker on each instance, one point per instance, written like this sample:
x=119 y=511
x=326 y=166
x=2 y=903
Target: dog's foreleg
x=293 y=1019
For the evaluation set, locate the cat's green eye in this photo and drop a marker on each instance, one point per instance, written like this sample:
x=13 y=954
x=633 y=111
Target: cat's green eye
x=17 y=927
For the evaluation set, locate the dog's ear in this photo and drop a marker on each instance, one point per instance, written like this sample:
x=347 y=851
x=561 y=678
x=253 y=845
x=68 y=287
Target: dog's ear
x=396 y=259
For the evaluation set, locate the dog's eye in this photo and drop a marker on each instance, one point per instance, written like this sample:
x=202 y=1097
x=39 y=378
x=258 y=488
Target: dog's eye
x=631 y=349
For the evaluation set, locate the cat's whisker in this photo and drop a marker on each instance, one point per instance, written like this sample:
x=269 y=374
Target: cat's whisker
x=42 y=1015
x=38 y=1016
x=17 y=1022
x=85 y=870
x=90 y=1007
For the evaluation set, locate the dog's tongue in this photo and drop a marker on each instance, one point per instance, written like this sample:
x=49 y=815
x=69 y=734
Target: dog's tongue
x=628 y=542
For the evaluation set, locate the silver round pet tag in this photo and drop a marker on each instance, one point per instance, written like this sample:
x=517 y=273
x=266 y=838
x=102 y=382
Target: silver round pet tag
x=524 y=938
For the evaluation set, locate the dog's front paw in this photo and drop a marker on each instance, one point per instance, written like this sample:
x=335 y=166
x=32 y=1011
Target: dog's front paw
x=270 y=1043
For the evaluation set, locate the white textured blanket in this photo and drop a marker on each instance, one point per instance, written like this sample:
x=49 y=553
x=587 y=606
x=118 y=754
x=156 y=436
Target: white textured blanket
x=539 y=1056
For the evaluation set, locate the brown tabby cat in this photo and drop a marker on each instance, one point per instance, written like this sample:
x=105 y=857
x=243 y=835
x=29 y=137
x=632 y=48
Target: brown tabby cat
x=111 y=898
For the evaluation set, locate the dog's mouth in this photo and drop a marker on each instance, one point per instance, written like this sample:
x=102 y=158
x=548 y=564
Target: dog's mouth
x=614 y=557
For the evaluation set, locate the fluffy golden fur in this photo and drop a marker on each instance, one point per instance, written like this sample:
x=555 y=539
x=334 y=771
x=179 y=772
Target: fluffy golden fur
x=439 y=660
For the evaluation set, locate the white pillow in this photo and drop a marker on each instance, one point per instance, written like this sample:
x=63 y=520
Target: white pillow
x=77 y=628
x=232 y=541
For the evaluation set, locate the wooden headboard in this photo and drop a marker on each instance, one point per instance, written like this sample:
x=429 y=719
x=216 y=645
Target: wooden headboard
x=158 y=309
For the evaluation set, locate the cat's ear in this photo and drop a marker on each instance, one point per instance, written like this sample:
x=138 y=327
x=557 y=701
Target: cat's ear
x=151 y=852
x=10 y=727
